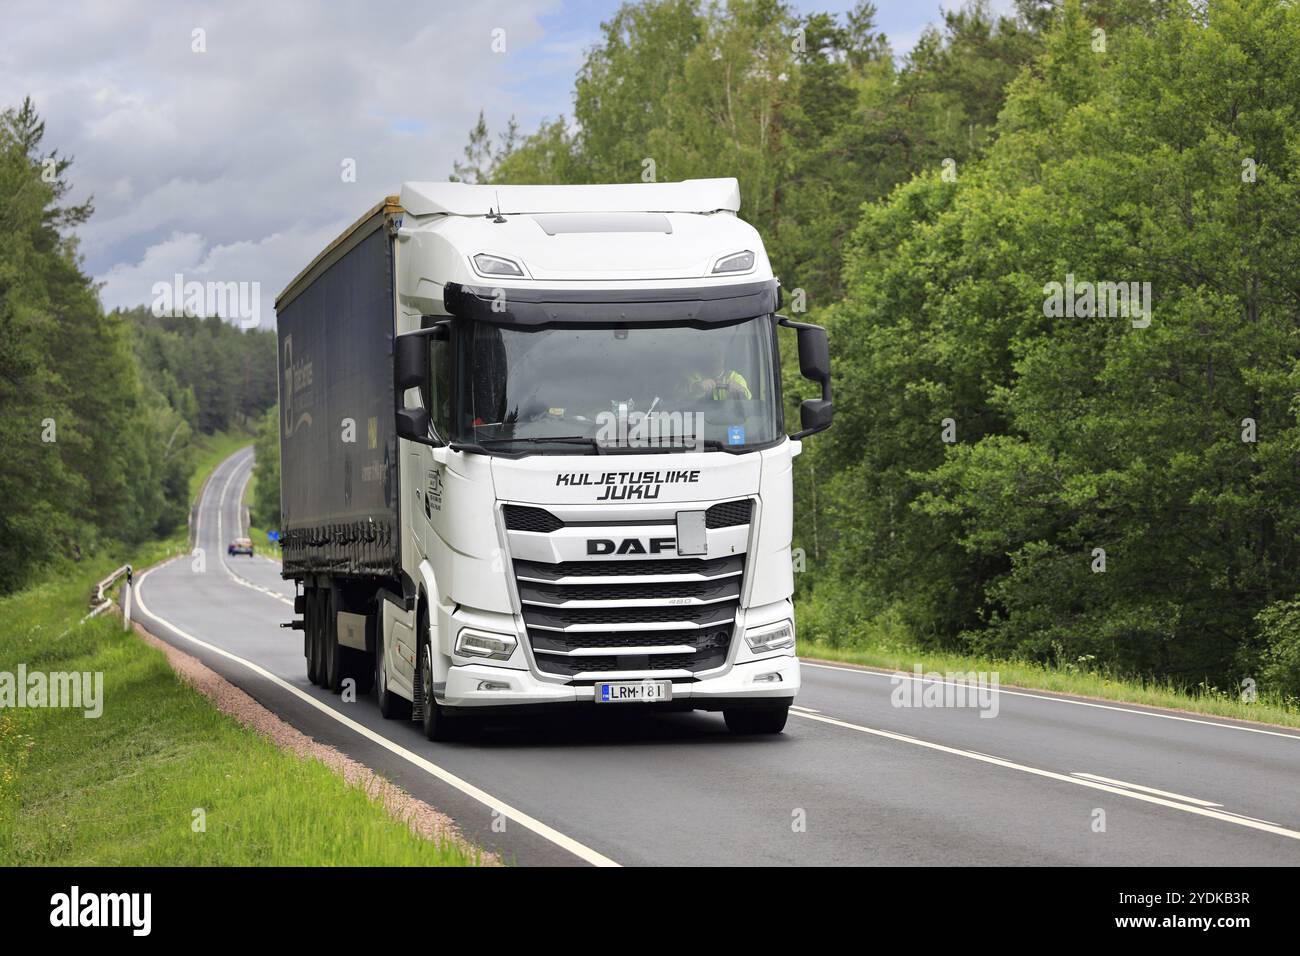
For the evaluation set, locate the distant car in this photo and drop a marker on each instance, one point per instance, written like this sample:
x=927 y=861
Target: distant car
x=240 y=546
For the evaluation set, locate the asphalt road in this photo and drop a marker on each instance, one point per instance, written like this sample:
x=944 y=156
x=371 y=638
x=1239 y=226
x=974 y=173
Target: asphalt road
x=853 y=780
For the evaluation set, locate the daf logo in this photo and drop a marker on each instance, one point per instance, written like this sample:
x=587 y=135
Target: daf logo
x=630 y=546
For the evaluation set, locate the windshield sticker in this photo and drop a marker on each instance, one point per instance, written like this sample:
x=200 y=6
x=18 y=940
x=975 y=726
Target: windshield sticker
x=736 y=435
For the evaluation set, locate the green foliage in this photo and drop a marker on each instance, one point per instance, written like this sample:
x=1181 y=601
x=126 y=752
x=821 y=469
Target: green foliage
x=265 y=510
x=810 y=113
x=217 y=376
x=97 y=411
x=925 y=203
x=1081 y=433
x=1279 y=633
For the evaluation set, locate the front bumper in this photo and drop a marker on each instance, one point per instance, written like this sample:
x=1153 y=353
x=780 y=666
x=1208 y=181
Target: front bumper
x=521 y=692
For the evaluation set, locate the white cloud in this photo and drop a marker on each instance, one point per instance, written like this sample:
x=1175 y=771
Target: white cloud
x=226 y=164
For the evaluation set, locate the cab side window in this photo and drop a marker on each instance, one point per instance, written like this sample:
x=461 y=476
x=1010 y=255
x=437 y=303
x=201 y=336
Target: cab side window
x=440 y=385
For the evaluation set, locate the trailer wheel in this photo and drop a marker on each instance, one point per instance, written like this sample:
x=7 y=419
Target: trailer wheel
x=311 y=630
x=322 y=617
x=391 y=705
x=333 y=652
x=767 y=720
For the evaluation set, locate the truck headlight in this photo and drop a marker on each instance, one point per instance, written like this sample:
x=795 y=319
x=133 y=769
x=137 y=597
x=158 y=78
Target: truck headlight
x=496 y=647
x=736 y=262
x=770 y=637
x=497 y=266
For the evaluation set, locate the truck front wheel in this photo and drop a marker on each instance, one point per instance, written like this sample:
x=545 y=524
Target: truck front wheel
x=766 y=720
x=433 y=722
x=436 y=724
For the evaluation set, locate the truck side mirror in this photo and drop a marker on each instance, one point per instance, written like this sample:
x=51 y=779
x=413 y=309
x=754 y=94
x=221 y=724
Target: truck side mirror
x=413 y=425
x=411 y=370
x=815 y=414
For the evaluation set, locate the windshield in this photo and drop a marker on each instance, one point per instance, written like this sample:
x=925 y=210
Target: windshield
x=669 y=388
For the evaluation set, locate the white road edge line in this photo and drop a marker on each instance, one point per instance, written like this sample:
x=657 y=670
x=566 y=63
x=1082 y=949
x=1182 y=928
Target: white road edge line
x=541 y=829
x=583 y=852
x=1063 y=777
x=1061 y=700
x=1158 y=793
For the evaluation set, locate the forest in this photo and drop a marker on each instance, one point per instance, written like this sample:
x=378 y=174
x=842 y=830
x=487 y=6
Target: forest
x=99 y=411
x=1108 y=482
x=1112 y=486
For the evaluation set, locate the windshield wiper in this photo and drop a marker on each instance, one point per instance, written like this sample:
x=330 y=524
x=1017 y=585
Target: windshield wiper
x=605 y=448
x=541 y=439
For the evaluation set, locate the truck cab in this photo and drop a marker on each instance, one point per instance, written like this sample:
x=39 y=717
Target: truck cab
x=593 y=475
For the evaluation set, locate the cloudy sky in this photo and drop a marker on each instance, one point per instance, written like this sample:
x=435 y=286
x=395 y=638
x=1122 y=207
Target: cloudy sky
x=225 y=164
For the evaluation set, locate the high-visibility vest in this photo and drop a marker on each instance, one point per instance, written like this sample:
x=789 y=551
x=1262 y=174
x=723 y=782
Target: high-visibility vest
x=721 y=391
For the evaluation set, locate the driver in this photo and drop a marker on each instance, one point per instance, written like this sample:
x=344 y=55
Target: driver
x=711 y=377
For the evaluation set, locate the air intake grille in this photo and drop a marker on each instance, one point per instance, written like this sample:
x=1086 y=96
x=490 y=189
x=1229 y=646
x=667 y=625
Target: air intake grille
x=715 y=568
x=520 y=518
x=558 y=618
x=647 y=616
x=553 y=594
x=710 y=652
x=729 y=514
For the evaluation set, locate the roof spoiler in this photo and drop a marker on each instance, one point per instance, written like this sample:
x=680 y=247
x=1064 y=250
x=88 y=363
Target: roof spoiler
x=700 y=306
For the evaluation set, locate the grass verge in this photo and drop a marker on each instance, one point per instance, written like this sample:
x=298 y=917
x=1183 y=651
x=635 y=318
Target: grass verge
x=891 y=654
x=122 y=789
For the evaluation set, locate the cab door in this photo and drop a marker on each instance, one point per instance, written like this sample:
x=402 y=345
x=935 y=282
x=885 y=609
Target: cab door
x=429 y=467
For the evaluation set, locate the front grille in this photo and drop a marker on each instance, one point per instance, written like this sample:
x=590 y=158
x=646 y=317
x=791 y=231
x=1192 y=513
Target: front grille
x=519 y=518
x=636 y=615
x=710 y=652
x=558 y=618
x=676 y=567
x=551 y=594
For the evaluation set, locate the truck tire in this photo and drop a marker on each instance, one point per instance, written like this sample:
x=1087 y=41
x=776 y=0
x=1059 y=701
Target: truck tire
x=360 y=666
x=311 y=636
x=333 y=653
x=391 y=706
x=436 y=724
x=753 y=720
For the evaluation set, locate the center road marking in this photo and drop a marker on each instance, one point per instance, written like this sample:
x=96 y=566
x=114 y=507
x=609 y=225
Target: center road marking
x=1093 y=784
x=221 y=507
x=1059 y=700
x=580 y=850
x=1136 y=786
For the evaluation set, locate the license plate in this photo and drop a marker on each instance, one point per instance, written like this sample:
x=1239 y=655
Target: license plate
x=632 y=692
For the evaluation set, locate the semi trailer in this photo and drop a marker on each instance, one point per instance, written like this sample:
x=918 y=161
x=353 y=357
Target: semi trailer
x=534 y=456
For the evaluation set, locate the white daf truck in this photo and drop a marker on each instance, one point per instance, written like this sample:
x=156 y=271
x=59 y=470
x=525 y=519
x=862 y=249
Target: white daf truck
x=534 y=455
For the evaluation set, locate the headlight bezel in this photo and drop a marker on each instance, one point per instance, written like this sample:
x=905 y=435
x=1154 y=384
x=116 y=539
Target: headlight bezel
x=481 y=263
x=744 y=261
x=766 y=638
x=504 y=649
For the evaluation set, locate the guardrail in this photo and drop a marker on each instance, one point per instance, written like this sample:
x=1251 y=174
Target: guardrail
x=99 y=603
